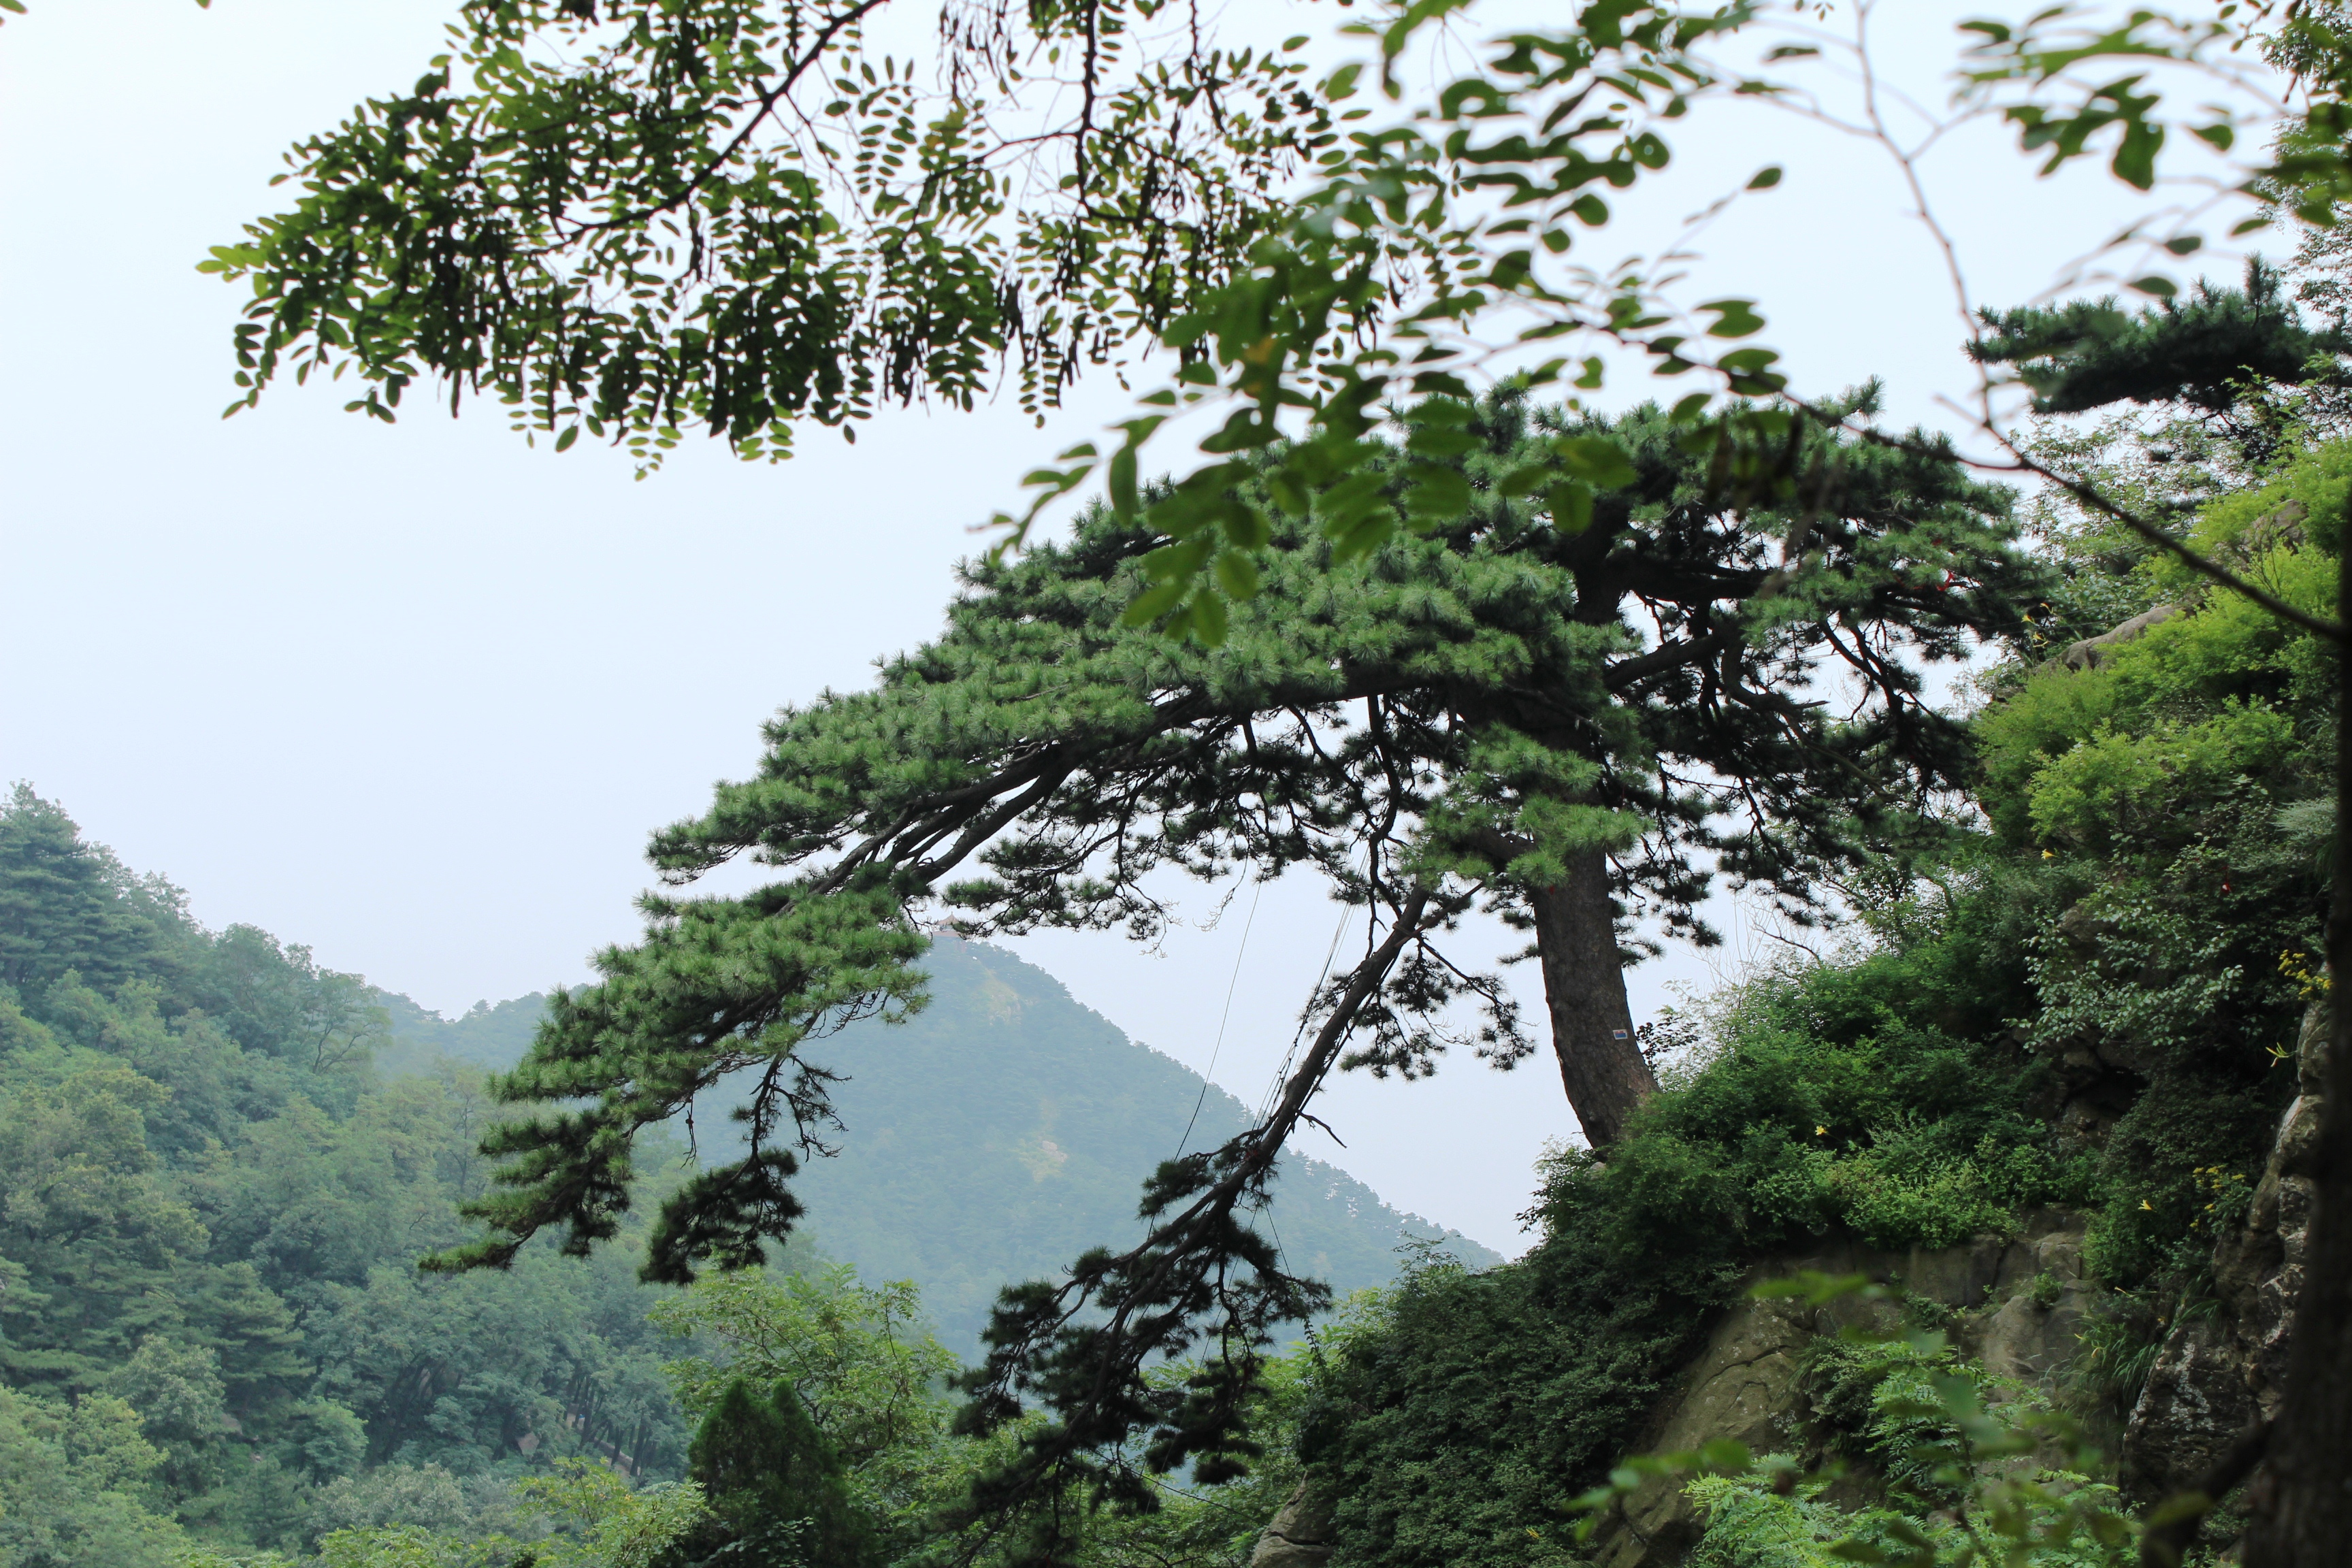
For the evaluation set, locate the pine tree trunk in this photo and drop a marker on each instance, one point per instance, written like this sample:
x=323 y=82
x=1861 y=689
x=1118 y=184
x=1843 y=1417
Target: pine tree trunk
x=2302 y=1505
x=1584 y=984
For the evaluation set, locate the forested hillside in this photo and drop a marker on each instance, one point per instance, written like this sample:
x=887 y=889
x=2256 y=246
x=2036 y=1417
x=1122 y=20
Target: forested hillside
x=223 y=1162
x=489 y=1035
x=999 y=1132
x=214 y=1203
x=1006 y=1128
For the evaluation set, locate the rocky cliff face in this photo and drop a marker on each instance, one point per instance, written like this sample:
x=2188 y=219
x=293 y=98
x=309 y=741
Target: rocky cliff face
x=2219 y=1372
x=2017 y=1305
x=2018 y=1308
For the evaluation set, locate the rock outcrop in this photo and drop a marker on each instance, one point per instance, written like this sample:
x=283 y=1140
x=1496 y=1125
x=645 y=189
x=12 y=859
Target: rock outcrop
x=2217 y=1372
x=2091 y=652
x=1300 y=1536
x=2018 y=1304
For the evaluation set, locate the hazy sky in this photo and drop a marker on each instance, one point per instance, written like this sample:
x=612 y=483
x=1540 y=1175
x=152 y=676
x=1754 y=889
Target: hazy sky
x=414 y=695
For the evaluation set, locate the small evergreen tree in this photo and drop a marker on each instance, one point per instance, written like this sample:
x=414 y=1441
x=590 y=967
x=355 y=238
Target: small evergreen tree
x=61 y=903
x=777 y=1492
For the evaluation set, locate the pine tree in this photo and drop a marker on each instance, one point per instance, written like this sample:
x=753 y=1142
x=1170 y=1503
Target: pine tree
x=777 y=1490
x=1634 y=650
x=2209 y=350
x=62 y=905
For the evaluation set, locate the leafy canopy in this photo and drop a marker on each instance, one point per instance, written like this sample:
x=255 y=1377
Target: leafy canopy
x=642 y=219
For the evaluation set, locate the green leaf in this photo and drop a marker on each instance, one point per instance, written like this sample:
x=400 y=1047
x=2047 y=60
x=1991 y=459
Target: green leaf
x=1237 y=573
x=2180 y=1506
x=1209 y=619
x=571 y=433
x=1438 y=442
x=1177 y=562
x=1817 y=1288
x=1241 y=433
x=2162 y=287
x=1571 y=507
x=1524 y=480
x=1362 y=537
x=1734 y=317
x=2135 y=160
x=1437 y=494
x=1726 y=1455
x=1122 y=481
x=1596 y=459
x=1765 y=178
x=1153 y=603
x=1351 y=499
x=1688 y=409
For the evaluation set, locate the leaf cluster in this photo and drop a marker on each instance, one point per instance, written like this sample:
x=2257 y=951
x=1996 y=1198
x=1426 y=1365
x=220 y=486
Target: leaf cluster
x=643 y=219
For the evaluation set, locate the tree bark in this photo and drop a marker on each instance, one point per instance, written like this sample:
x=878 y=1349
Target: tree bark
x=1584 y=985
x=2302 y=1501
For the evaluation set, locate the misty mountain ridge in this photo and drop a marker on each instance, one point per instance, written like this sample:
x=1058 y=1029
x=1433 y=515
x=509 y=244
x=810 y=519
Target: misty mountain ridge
x=998 y=1134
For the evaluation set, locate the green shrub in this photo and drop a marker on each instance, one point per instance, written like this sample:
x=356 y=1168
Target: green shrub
x=1472 y=1405
x=1840 y=1379
x=1963 y=1482
x=1751 y=1525
x=1835 y=1099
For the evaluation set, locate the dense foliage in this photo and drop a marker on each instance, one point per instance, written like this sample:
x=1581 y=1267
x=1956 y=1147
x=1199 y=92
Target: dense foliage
x=2088 y=1005
x=1561 y=718
x=739 y=213
x=212 y=1205
x=2078 y=999
x=2077 y=994
x=215 y=1339
x=632 y=223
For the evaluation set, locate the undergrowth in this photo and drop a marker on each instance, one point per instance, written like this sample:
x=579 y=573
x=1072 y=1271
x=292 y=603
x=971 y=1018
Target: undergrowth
x=1892 y=1098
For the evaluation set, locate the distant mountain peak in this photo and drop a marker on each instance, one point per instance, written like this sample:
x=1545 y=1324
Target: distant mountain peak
x=1003 y=1130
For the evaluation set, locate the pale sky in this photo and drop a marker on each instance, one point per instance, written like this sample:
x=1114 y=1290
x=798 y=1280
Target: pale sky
x=415 y=695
